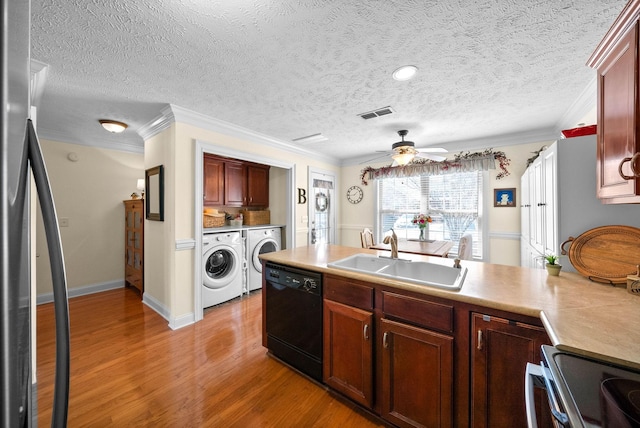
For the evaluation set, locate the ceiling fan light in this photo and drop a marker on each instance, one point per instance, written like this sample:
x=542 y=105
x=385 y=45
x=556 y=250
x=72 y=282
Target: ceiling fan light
x=403 y=158
x=405 y=72
x=113 y=125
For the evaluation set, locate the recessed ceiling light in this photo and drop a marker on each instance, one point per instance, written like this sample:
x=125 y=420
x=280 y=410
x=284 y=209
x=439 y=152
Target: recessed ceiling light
x=405 y=72
x=113 y=125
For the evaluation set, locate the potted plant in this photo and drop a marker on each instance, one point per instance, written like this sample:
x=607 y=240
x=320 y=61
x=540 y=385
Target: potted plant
x=552 y=265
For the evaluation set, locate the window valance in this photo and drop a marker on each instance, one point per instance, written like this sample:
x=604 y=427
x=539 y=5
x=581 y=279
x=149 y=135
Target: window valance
x=462 y=162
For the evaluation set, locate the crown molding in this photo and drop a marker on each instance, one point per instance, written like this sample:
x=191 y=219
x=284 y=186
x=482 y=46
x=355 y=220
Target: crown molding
x=39 y=72
x=584 y=104
x=157 y=124
x=173 y=113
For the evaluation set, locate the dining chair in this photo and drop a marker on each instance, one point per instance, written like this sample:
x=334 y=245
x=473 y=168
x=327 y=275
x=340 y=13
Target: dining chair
x=465 y=247
x=366 y=238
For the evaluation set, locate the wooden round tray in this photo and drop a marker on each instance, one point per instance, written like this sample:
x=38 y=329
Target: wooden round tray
x=605 y=254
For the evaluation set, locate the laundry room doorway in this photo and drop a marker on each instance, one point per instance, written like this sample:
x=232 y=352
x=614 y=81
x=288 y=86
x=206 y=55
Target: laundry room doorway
x=322 y=209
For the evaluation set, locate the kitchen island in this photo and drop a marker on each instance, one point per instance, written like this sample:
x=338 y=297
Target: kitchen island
x=456 y=341
x=580 y=316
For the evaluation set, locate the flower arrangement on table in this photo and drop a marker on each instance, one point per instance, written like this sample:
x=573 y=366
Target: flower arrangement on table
x=422 y=221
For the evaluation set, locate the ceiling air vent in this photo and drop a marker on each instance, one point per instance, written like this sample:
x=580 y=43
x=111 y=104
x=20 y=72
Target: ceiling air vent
x=376 y=113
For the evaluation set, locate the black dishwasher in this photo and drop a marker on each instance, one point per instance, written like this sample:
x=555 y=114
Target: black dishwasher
x=294 y=317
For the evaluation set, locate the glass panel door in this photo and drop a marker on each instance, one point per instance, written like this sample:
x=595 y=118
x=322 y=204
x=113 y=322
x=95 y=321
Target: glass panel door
x=321 y=208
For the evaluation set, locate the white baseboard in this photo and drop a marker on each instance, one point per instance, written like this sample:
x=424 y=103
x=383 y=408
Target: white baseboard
x=155 y=304
x=182 y=321
x=82 y=291
x=164 y=312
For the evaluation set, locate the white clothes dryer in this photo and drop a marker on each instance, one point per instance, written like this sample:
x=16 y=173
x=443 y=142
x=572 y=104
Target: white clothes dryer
x=260 y=241
x=222 y=260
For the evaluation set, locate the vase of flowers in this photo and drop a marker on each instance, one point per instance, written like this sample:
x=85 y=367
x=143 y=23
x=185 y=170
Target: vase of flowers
x=422 y=221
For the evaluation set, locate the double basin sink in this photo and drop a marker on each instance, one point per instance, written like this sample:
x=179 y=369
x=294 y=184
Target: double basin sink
x=421 y=273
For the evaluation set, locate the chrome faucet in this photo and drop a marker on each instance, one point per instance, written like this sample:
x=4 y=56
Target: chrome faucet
x=393 y=240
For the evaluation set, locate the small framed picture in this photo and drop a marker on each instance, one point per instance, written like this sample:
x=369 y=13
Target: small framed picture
x=504 y=197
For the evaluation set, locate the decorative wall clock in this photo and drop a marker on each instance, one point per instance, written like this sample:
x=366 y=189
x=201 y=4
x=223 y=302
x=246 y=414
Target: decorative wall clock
x=354 y=194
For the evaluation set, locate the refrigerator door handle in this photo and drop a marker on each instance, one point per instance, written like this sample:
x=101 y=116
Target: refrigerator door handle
x=59 y=278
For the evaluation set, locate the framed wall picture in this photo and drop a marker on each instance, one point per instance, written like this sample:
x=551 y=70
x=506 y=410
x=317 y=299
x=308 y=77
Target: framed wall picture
x=504 y=197
x=154 y=184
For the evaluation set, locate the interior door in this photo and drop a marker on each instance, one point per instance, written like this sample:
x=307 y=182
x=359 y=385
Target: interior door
x=321 y=208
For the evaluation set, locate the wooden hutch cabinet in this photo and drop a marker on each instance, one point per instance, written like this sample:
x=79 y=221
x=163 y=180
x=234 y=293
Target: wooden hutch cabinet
x=134 y=244
x=616 y=62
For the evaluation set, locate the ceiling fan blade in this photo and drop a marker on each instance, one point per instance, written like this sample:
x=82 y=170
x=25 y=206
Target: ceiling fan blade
x=436 y=158
x=385 y=155
x=433 y=150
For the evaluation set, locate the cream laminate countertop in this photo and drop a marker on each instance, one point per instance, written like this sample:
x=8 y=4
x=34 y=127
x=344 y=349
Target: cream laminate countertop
x=580 y=316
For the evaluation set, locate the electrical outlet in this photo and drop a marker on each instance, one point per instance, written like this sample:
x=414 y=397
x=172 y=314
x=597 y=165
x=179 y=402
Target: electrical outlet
x=63 y=221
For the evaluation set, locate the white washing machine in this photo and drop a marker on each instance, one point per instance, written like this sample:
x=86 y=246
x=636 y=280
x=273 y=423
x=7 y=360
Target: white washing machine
x=222 y=261
x=260 y=241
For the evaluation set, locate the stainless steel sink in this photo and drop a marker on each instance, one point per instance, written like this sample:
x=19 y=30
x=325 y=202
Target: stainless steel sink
x=422 y=273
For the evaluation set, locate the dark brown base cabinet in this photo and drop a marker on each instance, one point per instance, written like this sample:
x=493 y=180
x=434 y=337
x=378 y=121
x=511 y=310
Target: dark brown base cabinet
x=348 y=357
x=421 y=361
x=417 y=376
x=501 y=350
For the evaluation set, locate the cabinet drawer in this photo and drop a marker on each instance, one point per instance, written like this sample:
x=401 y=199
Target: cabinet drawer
x=348 y=292
x=431 y=315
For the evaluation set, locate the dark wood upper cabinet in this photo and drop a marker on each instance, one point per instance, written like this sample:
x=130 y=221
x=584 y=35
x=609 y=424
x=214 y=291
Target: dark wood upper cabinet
x=234 y=183
x=213 y=184
x=616 y=62
x=257 y=185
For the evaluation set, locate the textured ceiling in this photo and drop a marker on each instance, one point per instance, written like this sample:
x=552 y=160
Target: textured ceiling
x=292 y=68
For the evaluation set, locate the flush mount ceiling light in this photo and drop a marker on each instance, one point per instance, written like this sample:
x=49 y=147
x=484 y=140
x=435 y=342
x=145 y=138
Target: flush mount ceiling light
x=405 y=72
x=113 y=125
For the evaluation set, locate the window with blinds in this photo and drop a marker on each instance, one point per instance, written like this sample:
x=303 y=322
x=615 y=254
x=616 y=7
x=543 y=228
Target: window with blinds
x=454 y=202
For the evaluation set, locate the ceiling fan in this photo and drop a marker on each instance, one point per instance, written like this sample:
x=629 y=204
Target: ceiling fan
x=404 y=152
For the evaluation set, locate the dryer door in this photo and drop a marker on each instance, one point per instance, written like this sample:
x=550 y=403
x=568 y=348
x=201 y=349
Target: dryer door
x=267 y=245
x=221 y=266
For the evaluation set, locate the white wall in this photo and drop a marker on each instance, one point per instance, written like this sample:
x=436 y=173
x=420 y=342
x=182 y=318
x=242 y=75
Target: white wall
x=89 y=193
x=172 y=270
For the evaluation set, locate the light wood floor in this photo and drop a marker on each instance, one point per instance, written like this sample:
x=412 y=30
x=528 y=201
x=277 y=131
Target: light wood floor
x=128 y=368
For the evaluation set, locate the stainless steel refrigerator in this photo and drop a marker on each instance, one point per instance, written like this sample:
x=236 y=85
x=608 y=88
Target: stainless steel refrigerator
x=20 y=155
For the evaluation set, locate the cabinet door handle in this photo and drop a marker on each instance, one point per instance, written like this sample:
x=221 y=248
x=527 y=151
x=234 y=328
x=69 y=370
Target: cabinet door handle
x=479 y=340
x=366 y=332
x=635 y=167
x=385 y=342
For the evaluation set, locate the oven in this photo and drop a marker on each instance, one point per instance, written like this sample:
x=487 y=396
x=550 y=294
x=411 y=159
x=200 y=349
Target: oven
x=294 y=317
x=584 y=392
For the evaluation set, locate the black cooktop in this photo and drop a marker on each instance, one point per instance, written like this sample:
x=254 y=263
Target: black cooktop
x=604 y=395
